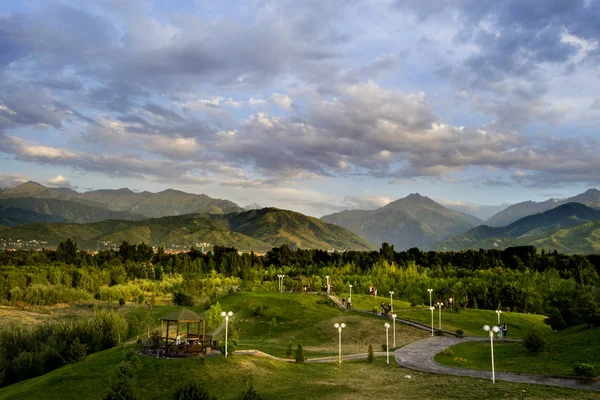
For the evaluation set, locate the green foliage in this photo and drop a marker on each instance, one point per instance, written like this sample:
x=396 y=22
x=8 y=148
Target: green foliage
x=459 y=361
x=384 y=347
x=448 y=352
x=67 y=251
x=192 y=390
x=371 y=355
x=121 y=389
x=250 y=394
x=556 y=321
x=584 y=369
x=438 y=332
x=534 y=342
x=258 y=311
x=299 y=354
x=213 y=316
x=77 y=351
x=181 y=298
x=121 y=302
x=460 y=333
x=232 y=345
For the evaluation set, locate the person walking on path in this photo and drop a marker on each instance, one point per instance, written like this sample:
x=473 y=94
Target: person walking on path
x=504 y=330
x=349 y=303
x=344 y=301
x=500 y=331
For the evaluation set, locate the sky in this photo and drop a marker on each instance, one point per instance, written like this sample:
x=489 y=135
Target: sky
x=315 y=106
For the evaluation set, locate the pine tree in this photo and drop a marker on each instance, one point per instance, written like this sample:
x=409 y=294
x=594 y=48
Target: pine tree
x=299 y=354
x=371 y=355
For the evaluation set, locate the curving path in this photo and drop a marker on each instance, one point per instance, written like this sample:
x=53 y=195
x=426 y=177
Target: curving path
x=419 y=356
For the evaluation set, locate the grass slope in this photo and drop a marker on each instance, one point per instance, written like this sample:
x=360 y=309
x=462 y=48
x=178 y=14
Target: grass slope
x=471 y=321
x=565 y=349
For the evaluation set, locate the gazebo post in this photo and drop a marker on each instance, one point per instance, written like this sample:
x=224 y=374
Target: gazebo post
x=187 y=334
x=177 y=330
x=167 y=337
x=202 y=329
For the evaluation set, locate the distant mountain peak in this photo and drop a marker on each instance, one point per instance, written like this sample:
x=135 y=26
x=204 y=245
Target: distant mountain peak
x=253 y=206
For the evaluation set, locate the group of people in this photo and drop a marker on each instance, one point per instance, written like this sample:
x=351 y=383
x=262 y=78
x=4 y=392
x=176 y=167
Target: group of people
x=502 y=331
x=373 y=291
x=347 y=303
x=386 y=310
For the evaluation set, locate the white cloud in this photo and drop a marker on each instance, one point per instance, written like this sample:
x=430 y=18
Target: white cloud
x=257 y=102
x=10 y=180
x=282 y=100
x=60 y=181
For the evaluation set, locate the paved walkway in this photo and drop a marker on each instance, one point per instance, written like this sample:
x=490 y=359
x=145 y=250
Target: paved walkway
x=419 y=356
x=313 y=360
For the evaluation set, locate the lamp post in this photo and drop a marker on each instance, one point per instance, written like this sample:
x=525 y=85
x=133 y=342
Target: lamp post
x=451 y=300
x=227 y=315
x=439 y=303
x=498 y=312
x=387 y=341
x=394 y=325
x=280 y=283
x=492 y=330
x=339 y=327
x=327 y=277
x=432 y=308
x=350 y=296
x=430 y=291
x=391 y=301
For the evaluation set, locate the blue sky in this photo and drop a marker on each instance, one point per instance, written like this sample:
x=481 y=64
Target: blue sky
x=315 y=106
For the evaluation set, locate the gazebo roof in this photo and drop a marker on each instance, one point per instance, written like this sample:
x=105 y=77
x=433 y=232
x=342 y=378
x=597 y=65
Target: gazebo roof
x=182 y=315
x=301 y=277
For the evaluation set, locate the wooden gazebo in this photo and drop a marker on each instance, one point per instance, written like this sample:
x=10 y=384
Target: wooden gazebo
x=188 y=317
x=446 y=295
x=303 y=283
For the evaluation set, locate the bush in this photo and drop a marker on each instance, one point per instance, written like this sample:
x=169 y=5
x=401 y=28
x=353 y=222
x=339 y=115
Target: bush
x=250 y=394
x=534 y=342
x=460 y=333
x=371 y=355
x=448 y=352
x=300 y=354
x=192 y=390
x=584 y=369
x=232 y=345
x=259 y=311
x=438 y=332
x=384 y=347
x=290 y=350
x=77 y=351
x=181 y=298
x=459 y=361
x=556 y=320
x=122 y=389
x=121 y=302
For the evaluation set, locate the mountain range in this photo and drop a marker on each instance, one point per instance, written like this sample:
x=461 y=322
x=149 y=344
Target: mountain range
x=256 y=230
x=33 y=211
x=555 y=229
x=414 y=221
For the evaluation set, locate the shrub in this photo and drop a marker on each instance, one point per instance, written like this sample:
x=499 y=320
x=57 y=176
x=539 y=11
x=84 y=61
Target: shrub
x=181 y=298
x=534 y=342
x=232 y=345
x=77 y=351
x=290 y=350
x=459 y=361
x=448 y=352
x=556 y=320
x=371 y=355
x=250 y=394
x=259 y=311
x=192 y=390
x=121 y=302
x=438 y=332
x=460 y=333
x=384 y=347
x=300 y=354
x=375 y=310
x=584 y=369
x=122 y=389
x=140 y=299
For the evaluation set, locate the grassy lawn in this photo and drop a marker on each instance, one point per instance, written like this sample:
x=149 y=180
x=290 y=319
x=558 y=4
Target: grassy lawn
x=565 y=349
x=297 y=317
x=226 y=378
x=366 y=302
x=471 y=321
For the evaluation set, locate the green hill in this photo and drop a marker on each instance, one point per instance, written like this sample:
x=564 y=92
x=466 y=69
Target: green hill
x=257 y=230
x=414 y=221
x=569 y=228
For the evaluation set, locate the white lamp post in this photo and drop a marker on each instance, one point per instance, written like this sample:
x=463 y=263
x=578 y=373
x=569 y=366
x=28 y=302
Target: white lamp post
x=493 y=330
x=391 y=301
x=451 y=300
x=350 y=291
x=394 y=325
x=432 y=308
x=430 y=291
x=339 y=327
x=227 y=315
x=327 y=277
x=498 y=312
x=439 y=303
x=280 y=283
x=387 y=341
